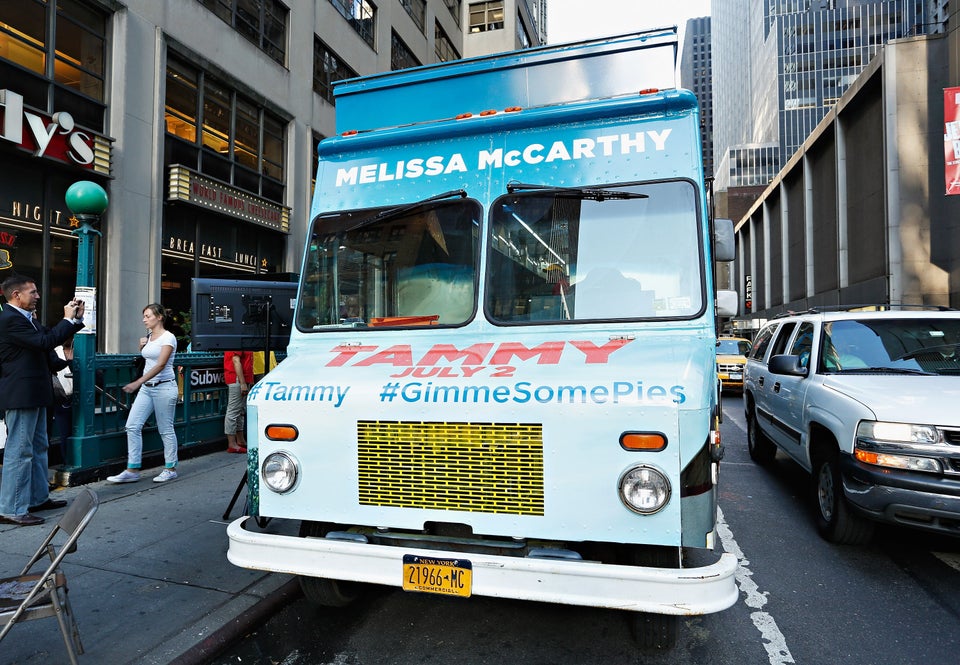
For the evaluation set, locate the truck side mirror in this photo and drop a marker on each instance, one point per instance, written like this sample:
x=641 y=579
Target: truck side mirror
x=728 y=303
x=724 y=240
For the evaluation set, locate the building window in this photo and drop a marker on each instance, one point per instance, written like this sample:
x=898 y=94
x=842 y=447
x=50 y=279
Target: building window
x=54 y=54
x=401 y=57
x=361 y=14
x=443 y=46
x=523 y=39
x=327 y=69
x=455 y=7
x=486 y=16
x=316 y=161
x=215 y=130
x=263 y=22
x=417 y=10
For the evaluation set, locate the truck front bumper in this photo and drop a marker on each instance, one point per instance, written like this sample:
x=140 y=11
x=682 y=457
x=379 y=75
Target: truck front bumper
x=683 y=591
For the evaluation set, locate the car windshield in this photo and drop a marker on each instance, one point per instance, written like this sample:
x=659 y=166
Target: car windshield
x=733 y=347
x=913 y=345
x=575 y=255
x=409 y=266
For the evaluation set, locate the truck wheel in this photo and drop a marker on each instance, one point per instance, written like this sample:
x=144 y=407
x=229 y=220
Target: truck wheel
x=328 y=593
x=836 y=522
x=320 y=590
x=655 y=631
x=762 y=450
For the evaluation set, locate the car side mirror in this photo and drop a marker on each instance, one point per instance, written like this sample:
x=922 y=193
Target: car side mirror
x=787 y=365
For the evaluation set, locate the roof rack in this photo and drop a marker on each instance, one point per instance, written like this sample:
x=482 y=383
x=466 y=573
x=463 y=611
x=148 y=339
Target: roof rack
x=874 y=307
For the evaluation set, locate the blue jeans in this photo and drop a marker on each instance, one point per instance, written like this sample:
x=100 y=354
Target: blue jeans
x=24 y=482
x=160 y=400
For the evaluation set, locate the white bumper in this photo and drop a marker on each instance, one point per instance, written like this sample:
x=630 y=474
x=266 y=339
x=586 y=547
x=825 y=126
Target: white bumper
x=685 y=591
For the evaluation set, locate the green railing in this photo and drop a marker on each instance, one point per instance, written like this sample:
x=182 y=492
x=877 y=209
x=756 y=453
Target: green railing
x=100 y=409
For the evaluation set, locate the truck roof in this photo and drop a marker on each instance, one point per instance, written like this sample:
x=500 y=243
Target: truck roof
x=536 y=77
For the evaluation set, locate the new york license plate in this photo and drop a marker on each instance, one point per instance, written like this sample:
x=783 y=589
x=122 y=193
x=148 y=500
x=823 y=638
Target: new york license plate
x=450 y=577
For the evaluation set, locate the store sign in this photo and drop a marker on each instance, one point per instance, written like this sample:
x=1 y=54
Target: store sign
x=52 y=137
x=748 y=293
x=186 y=185
x=209 y=250
x=951 y=139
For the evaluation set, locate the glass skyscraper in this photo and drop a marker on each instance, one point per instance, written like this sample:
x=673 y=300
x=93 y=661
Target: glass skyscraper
x=781 y=64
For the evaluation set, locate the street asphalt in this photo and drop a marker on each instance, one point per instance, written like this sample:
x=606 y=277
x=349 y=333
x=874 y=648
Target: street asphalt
x=150 y=582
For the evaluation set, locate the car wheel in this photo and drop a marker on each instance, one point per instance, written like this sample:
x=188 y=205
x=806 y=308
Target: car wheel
x=836 y=522
x=320 y=590
x=762 y=450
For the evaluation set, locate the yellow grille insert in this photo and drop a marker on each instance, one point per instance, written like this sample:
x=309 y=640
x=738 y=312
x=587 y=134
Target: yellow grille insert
x=475 y=467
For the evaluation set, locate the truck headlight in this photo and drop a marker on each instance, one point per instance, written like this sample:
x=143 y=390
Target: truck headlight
x=644 y=489
x=895 y=445
x=279 y=472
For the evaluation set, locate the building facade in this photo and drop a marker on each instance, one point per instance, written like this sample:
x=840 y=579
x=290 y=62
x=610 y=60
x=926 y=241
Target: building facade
x=200 y=118
x=780 y=66
x=696 y=75
x=859 y=214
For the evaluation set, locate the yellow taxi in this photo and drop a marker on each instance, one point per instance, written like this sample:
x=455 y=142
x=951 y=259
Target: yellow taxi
x=731 y=357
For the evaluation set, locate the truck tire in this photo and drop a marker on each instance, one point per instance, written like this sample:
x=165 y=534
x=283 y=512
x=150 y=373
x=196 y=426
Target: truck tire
x=320 y=590
x=762 y=450
x=836 y=521
x=655 y=631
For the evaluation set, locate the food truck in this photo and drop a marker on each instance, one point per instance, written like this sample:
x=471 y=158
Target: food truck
x=501 y=380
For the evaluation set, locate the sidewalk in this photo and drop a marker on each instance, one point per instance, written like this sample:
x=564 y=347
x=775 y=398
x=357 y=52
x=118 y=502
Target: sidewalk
x=150 y=582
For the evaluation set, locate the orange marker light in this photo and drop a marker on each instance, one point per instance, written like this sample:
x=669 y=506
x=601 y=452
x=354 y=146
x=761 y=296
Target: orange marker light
x=350 y=132
x=867 y=457
x=281 y=432
x=463 y=116
x=649 y=441
x=488 y=112
x=512 y=109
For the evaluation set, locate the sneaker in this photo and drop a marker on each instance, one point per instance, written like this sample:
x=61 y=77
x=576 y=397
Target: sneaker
x=165 y=475
x=126 y=476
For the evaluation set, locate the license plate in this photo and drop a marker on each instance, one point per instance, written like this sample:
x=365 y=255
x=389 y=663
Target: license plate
x=450 y=577
x=736 y=375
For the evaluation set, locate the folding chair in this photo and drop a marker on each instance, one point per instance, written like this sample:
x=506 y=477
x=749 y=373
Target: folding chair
x=37 y=596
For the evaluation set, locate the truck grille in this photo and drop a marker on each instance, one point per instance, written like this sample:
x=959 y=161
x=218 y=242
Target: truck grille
x=475 y=467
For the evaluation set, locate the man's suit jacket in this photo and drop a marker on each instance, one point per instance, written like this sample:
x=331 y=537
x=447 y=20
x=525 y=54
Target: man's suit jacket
x=25 y=363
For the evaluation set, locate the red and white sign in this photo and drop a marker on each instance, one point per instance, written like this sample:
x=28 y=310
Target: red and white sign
x=53 y=137
x=951 y=139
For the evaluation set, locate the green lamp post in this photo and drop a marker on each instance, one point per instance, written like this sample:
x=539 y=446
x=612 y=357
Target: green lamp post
x=86 y=200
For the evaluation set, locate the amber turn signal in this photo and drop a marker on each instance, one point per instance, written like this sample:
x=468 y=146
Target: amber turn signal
x=281 y=432
x=650 y=441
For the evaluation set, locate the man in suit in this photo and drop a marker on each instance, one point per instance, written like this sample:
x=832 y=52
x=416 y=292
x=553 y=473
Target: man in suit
x=26 y=390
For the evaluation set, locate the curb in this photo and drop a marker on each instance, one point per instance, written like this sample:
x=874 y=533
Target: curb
x=241 y=625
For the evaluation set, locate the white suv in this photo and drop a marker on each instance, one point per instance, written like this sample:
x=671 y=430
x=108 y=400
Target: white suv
x=869 y=404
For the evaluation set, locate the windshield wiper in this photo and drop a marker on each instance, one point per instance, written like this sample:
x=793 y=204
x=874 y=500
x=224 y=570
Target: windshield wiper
x=882 y=370
x=591 y=193
x=928 y=349
x=399 y=210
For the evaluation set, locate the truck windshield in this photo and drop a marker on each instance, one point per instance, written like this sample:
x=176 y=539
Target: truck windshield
x=413 y=268
x=892 y=345
x=562 y=256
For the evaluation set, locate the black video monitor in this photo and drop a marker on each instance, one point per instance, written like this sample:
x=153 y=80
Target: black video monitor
x=237 y=314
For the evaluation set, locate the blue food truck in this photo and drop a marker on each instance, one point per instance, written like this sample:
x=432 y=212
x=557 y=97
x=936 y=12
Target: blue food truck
x=501 y=380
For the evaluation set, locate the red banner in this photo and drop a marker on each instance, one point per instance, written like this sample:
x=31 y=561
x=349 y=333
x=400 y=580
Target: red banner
x=951 y=139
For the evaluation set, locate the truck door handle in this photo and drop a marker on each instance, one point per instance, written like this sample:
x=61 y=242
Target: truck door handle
x=776 y=387
x=760 y=381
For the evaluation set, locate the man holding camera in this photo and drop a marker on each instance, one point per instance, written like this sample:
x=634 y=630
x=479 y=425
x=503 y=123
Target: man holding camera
x=26 y=390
